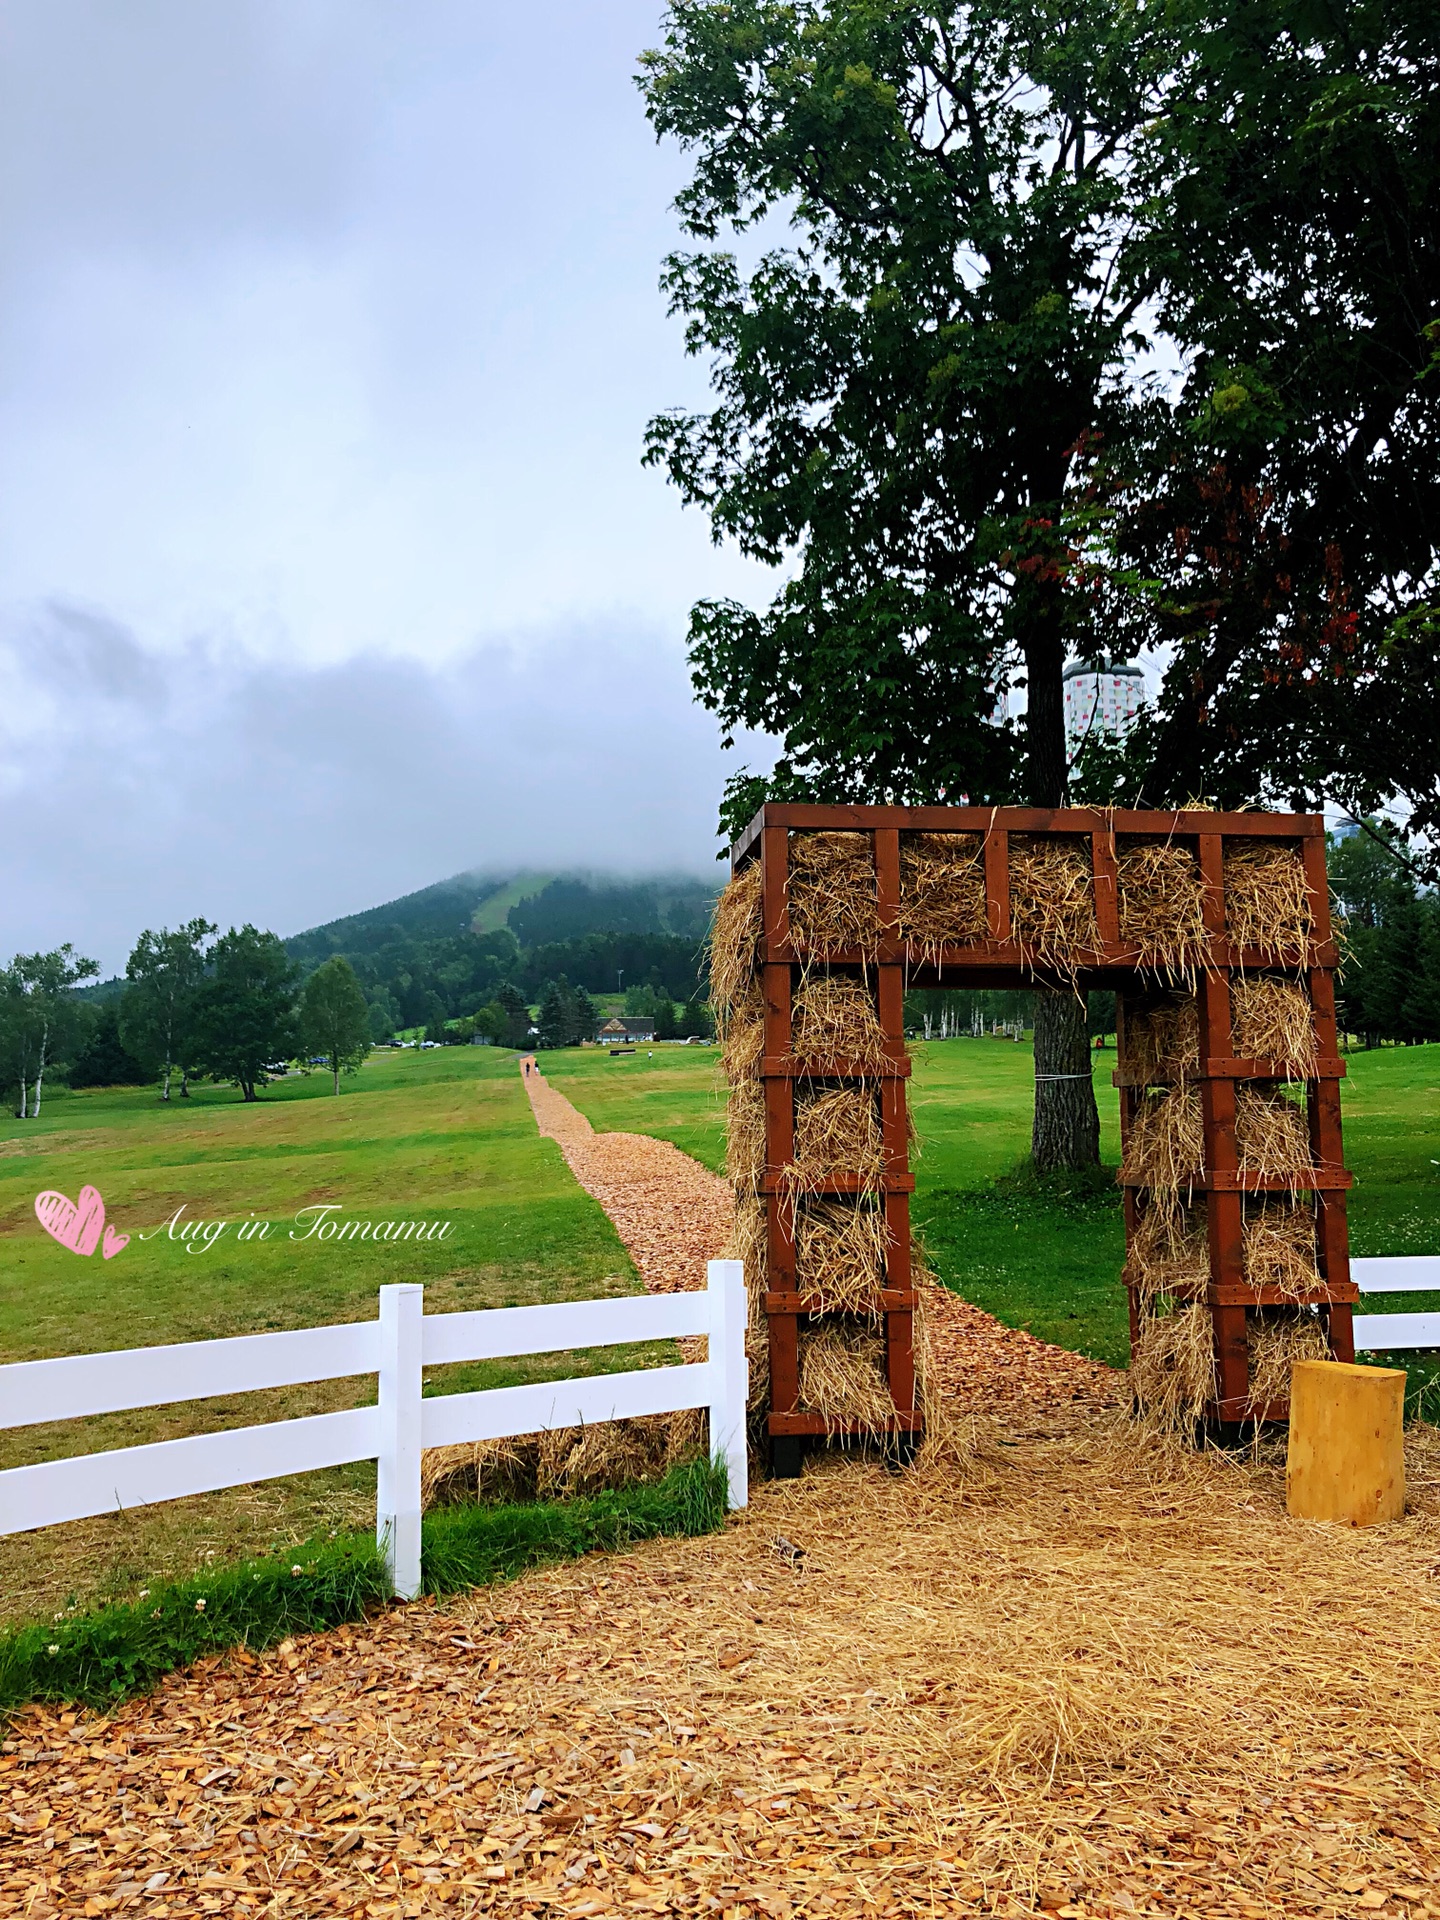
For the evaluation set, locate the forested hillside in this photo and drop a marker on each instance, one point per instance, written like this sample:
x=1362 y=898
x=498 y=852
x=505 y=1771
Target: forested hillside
x=431 y=957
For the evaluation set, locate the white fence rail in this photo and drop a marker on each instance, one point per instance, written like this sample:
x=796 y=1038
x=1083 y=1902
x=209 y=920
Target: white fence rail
x=395 y=1431
x=1396 y=1332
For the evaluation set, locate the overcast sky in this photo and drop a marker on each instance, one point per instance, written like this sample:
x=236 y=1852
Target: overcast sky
x=328 y=334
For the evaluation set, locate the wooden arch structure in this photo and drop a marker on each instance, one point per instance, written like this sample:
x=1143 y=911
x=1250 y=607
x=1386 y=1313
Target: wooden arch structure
x=889 y=963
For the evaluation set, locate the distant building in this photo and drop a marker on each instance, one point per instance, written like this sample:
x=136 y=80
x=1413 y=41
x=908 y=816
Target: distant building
x=1100 y=695
x=624 y=1033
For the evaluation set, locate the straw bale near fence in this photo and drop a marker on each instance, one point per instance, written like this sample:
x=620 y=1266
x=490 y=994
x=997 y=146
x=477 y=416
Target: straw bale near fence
x=833 y=1017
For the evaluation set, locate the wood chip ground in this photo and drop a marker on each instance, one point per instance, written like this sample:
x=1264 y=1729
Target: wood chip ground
x=1062 y=1669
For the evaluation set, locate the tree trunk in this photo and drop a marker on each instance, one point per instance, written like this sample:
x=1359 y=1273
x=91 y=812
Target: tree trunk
x=1066 y=1133
x=40 y=1071
x=1067 y=1123
x=336 y=1066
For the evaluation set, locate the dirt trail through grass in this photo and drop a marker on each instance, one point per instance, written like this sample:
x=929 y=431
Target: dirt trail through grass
x=674 y=1215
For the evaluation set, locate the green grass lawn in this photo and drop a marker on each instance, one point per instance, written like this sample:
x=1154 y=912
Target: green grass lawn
x=674 y=1092
x=445 y=1135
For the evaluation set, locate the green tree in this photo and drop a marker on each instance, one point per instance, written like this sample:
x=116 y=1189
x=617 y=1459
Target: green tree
x=165 y=971
x=515 y=1031
x=334 y=1019
x=1287 y=510
x=583 y=1014
x=103 y=1060
x=384 y=1014
x=244 y=1016
x=40 y=1018
x=554 y=1016
x=665 y=1023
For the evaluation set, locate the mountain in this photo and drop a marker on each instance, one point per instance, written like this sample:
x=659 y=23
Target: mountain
x=540 y=909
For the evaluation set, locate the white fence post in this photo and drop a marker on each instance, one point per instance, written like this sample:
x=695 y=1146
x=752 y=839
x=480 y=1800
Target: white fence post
x=397 y=1478
x=730 y=1372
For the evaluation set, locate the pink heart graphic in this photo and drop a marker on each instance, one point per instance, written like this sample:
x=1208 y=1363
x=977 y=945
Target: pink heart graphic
x=114 y=1243
x=76 y=1226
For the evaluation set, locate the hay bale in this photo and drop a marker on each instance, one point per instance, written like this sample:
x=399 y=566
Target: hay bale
x=1172 y=1370
x=742 y=1034
x=842 y=1374
x=745 y=1134
x=840 y=1248
x=831 y=892
x=1267 y=903
x=1276 y=1339
x=833 y=1017
x=1272 y=1019
x=1159 y=1038
x=837 y=1132
x=1052 y=902
x=563 y=1462
x=1270 y=1133
x=735 y=934
x=750 y=1242
x=1168 y=1257
x=1279 y=1246
x=942 y=892
x=1161 y=907
x=1166 y=1146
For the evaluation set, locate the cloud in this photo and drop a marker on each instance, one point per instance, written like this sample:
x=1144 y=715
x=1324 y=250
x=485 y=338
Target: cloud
x=143 y=786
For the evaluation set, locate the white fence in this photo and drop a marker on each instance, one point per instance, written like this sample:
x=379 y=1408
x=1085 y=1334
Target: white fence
x=395 y=1431
x=1395 y=1332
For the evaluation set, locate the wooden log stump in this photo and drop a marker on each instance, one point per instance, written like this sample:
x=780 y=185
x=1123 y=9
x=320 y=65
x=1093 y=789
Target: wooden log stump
x=1346 y=1459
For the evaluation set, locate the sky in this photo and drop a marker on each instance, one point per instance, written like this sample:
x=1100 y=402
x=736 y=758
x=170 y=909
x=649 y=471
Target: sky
x=328 y=567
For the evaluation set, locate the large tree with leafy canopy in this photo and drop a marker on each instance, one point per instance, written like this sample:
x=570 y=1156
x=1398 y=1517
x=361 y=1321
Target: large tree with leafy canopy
x=905 y=387
x=938 y=410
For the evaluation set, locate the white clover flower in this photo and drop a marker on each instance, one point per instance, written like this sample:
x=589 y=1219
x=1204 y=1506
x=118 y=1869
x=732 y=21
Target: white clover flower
x=52 y=1649
x=297 y=1569
x=199 y=1606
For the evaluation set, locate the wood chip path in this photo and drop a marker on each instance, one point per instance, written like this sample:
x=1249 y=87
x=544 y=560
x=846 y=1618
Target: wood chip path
x=1068 y=1672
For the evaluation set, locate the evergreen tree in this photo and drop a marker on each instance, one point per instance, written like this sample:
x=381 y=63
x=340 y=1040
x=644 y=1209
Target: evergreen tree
x=103 y=1060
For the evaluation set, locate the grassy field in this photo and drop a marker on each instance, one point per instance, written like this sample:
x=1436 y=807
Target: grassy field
x=444 y=1136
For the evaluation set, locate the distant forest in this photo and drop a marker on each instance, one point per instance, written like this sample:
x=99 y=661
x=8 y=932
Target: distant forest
x=445 y=952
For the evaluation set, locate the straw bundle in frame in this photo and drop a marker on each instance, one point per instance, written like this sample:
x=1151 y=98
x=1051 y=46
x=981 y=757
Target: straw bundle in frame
x=1172 y=1371
x=1161 y=907
x=1267 y=902
x=1276 y=1340
x=1271 y=1136
x=1052 y=901
x=745 y=1133
x=735 y=934
x=1169 y=1254
x=1166 y=1145
x=840 y=1248
x=1159 y=1038
x=942 y=892
x=842 y=1374
x=1279 y=1247
x=831 y=892
x=1272 y=1019
x=837 y=1133
x=833 y=1017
